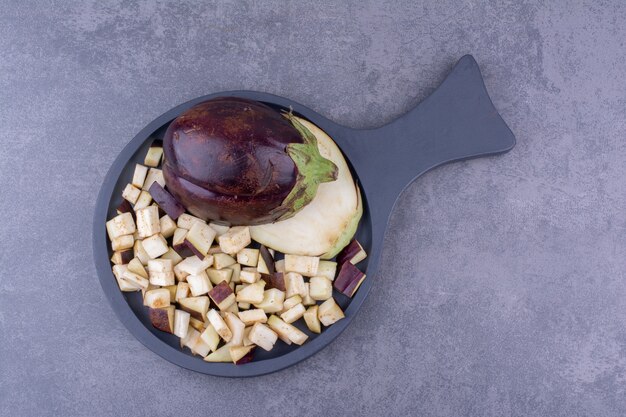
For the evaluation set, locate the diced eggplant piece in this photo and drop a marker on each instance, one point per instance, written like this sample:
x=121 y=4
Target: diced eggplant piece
x=136 y=280
x=125 y=207
x=242 y=354
x=210 y=337
x=140 y=252
x=312 y=321
x=220 y=355
x=144 y=201
x=233 y=308
x=148 y=222
x=294 y=284
x=222 y=295
x=181 y=323
x=220 y=229
x=263 y=336
x=246 y=340
x=327 y=269
x=329 y=312
x=157 y=298
x=168 y=226
x=139 y=176
x=293 y=314
x=166 y=201
x=155 y=152
x=349 y=279
x=275 y=280
x=199 y=284
x=250 y=317
x=303 y=265
x=161 y=272
x=194 y=265
x=273 y=300
x=243 y=306
x=136 y=266
x=286 y=330
x=194 y=342
x=219 y=325
x=182 y=291
x=185 y=221
x=236 y=268
x=163 y=318
x=172 y=255
x=291 y=302
x=249 y=275
x=125 y=286
x=252 y=293
x=122 y=257
x=120 y=225
x=155 y=246
x=320 y=288
x=307 y=300
x=222 y=260
x=248 y=257
x=154 y=175
x=131 y=193
x=215 y=249
x=266 y=261
x=193 y=250
x=196 y=324
x=172 y=290
x=353 y=253
x=236 y=327
x=235 y=239
x=218 y=275
x=201 y=236
x=279 y=266
x=196 y=306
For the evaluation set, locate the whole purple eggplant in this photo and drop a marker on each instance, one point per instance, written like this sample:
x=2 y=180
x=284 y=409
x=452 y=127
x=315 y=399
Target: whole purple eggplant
x=241 y=162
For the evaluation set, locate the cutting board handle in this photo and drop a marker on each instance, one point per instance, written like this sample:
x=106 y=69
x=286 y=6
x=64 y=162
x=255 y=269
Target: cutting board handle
x=457 y=121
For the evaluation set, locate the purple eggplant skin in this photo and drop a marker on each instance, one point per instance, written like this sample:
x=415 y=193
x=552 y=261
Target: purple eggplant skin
x=225 y=159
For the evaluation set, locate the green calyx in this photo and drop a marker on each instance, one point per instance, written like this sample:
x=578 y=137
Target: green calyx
x=313 y=169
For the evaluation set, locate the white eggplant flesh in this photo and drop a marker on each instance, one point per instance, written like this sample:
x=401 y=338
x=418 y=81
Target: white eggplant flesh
x=328 y=223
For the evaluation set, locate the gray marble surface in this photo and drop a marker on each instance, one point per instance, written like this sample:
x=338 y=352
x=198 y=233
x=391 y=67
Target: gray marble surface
x=502 y=285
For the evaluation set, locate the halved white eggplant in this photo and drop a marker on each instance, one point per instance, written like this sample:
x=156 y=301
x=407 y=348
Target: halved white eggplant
x=325 y=225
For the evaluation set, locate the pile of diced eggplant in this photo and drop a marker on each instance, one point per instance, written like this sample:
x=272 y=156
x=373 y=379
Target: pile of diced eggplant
x=209 y=284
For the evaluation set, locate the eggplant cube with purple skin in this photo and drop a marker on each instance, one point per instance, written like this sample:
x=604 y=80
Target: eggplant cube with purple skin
x=353 y=253
x=122 y=257
x=222 y=295
x=166 y=201
x=163 y=318
x=241 y=354
x=349 y=279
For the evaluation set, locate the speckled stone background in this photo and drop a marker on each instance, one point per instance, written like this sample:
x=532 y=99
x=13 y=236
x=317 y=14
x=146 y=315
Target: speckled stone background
x=502 y=288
